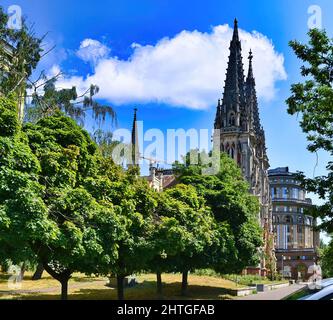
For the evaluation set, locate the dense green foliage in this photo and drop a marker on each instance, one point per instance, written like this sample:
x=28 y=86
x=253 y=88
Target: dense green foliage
x=313 y=100
x=326 y=260
x=69 y=160
x=45 y=209
x=67 y=206
x=226 y=193
x=23 y=214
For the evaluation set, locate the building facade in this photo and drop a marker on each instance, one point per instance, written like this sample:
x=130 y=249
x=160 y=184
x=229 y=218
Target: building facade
x=296 y=242
x=242 y=136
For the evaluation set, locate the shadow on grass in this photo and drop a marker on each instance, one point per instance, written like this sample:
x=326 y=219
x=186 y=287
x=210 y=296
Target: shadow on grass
x=4 y=277
x=143 y=291
x=86 y=279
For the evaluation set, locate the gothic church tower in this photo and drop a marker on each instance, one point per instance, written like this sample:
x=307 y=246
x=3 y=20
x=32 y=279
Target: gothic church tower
x=243 y=138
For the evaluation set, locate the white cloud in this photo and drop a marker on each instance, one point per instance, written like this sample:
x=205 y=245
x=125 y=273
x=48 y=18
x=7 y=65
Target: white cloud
x=92 y=51
x=187 y=70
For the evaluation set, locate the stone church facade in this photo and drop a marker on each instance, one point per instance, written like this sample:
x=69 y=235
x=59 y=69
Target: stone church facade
x=242 y=136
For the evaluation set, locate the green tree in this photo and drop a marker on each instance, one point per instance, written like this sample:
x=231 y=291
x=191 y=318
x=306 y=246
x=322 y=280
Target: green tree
x=184 y=234
x=134 y=203
x=68 y=158
x=20 y=52
x=105 y=142
x=23 y=214
x=313 y=101
x=227 y=195
x=51 y=100
x=326 y=260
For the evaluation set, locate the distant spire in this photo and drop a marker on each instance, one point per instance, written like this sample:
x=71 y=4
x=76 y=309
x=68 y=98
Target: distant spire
x=135 y=140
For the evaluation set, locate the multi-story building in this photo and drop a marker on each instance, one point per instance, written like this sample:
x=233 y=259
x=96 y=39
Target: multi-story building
x=242 y=136
x=296 y=242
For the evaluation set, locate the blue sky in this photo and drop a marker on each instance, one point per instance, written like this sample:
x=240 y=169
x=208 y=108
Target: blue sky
x=119 y=24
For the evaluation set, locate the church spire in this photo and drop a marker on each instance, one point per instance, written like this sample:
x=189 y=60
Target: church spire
x=251 y=98
x=235 y=36
x=250 y=73
x=230 y=112
x=135 y=154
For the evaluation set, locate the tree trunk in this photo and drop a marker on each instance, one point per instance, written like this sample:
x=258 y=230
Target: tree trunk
x=64 y=289
x=120 y=287
x=39 y=272
x=159 y=283
x=62 y=277
x=184 y=283
x=22 y=271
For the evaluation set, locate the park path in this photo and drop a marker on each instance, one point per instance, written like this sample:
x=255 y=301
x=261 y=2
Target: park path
x=276 y=294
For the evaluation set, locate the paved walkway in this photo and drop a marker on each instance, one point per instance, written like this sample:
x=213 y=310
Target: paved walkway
x=276 y=294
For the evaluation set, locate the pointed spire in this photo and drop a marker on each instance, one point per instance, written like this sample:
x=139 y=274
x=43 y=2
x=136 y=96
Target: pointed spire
x=234 y=89
x=235 y=36
x=250 y=73
x=251 y=98
x=135 y=140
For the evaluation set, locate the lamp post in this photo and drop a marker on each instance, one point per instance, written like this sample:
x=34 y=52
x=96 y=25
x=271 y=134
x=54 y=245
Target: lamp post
x=282 y=267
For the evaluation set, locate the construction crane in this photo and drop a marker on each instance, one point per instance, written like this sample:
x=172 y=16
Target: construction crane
x=154 y=161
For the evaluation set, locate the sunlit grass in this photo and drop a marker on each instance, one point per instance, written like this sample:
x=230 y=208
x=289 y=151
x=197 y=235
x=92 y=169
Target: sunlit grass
x=83 y=288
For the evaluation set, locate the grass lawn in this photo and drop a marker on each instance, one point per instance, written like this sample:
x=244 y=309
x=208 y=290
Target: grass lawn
x=83 y=288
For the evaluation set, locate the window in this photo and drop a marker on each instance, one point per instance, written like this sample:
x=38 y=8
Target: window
x=295 y=193
x=289 y=219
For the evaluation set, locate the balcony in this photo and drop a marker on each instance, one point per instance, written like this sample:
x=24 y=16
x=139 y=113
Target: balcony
x=292 y=200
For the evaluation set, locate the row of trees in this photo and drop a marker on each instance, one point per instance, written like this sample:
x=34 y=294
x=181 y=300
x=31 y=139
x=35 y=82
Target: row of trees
x=65 y=205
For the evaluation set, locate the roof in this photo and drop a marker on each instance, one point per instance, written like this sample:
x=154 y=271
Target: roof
x=281 y=171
